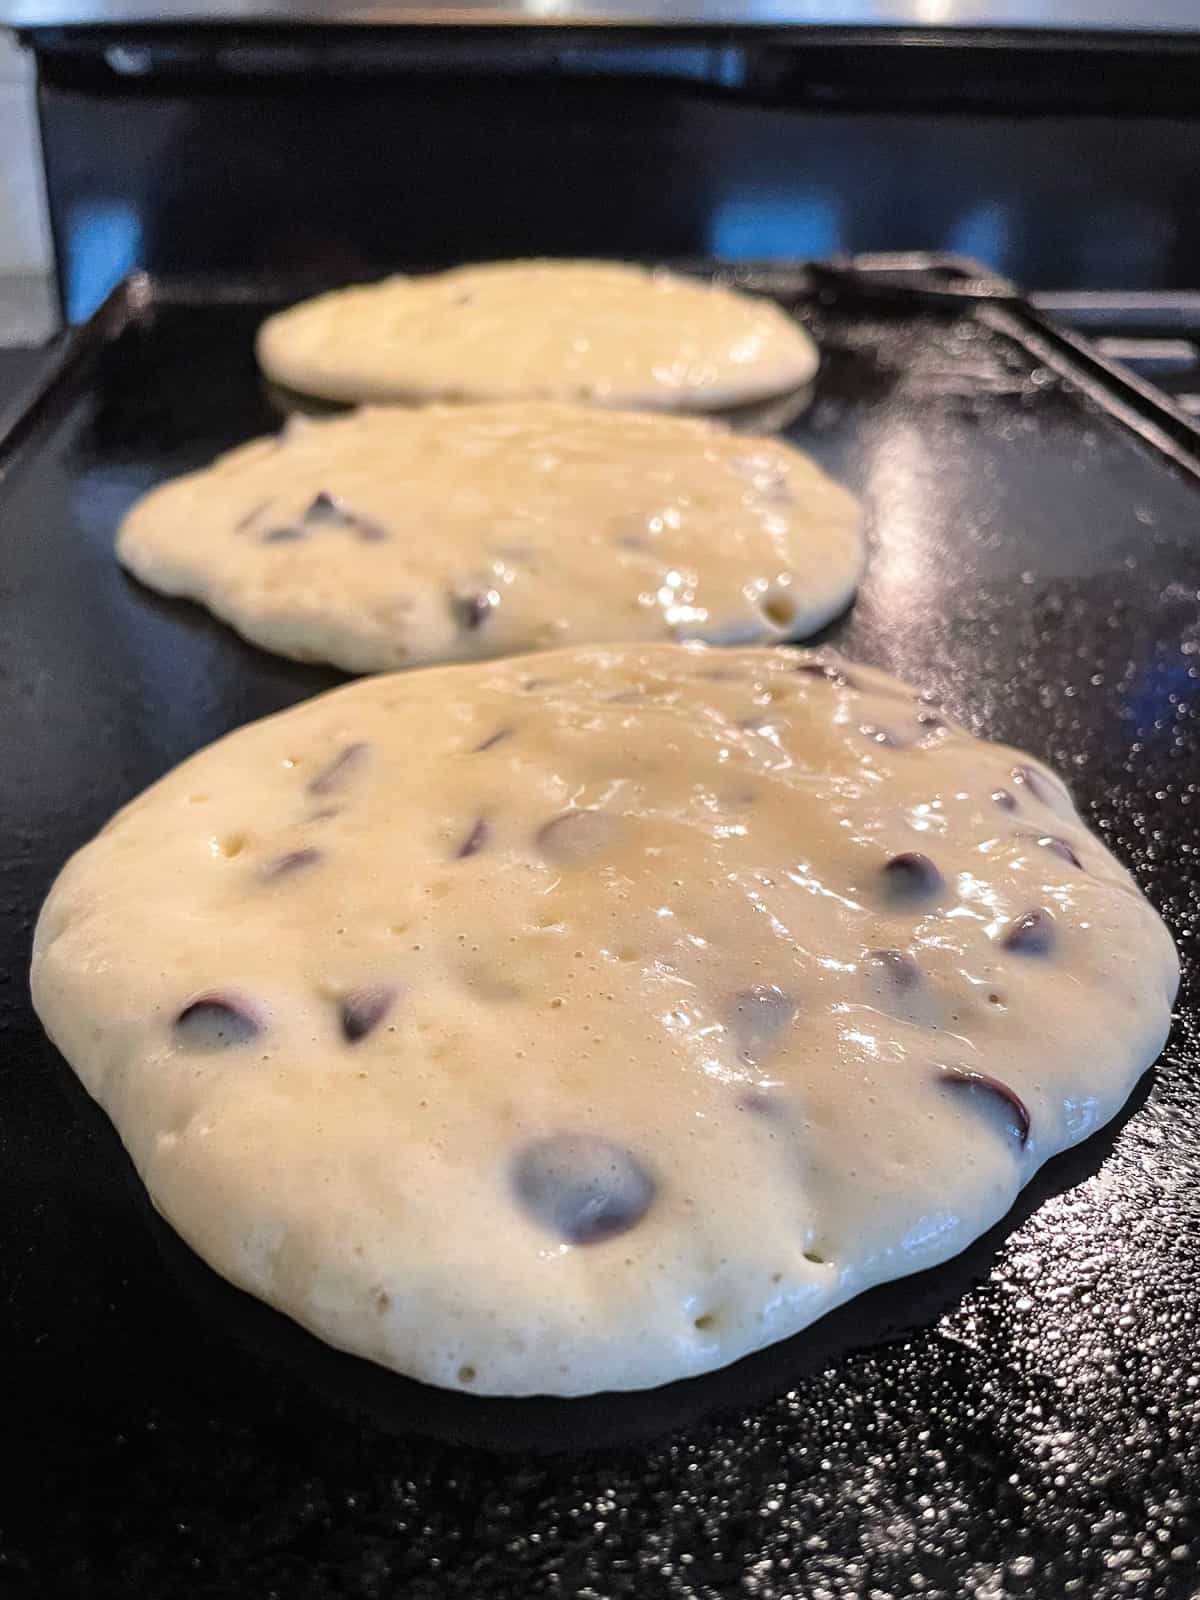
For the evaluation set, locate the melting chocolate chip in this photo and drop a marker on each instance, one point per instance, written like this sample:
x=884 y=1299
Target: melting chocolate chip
x=763 y=1104
x=582 y=1188
x=913 y=876
x=338 y=772
x=757 y=1019
x=897 y=967
x=1005 y=799
x=931 y=722
x=1060 y=847
x=283 y=536
x=1032 y=934
x=473 y=610
x=577 y=836
x=1015 y=1109
x=217 y=1022
x=493 y=739
x=326 y=509
x=884 y=736
x=364 y=1009
x=475 y=840
x=826 y=670
x=293 y=861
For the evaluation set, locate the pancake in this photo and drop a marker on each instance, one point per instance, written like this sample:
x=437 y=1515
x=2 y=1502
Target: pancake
x=394 y=537
x=588 y=1020
x=601 y=332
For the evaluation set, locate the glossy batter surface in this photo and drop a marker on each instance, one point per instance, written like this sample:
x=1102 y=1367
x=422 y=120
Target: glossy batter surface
x=600 y=332
x=588 y=1020
x=396 y=536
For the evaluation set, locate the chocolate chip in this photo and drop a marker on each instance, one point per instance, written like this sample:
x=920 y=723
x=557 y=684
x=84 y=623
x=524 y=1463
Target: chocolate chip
x=365 y=1009
x=912 y=876
x=283 y=536
x=884 y=736
x=1015 y=1109
x=1032 y=934
x=577 y=836
x=327 y=510
x=758 y=1017
x=1005 y=799
x=473 y=610
x=294 y=861
x=475 y=840
x=217 y=1022
x=338 y=772
x=763 y=1104
x=1060 y=847
x=493 y=739
x=582 y=1188
x=896 y=967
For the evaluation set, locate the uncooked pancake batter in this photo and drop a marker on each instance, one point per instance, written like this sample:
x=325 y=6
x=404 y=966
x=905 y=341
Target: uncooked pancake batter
x=597 y=331
x=588 y=1020
x=393 y=537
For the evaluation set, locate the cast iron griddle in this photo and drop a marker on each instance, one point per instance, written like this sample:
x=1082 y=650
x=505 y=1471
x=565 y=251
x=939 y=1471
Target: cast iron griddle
x=1023 y=1421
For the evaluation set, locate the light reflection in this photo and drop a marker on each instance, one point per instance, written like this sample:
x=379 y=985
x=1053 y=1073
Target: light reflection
x=868 y=1043
x=786 y=225
x=104 y=243
x=804 y=880
x=931 y=1227
x=906 y=578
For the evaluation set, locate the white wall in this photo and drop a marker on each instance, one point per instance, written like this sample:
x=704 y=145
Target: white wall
x=24 y=236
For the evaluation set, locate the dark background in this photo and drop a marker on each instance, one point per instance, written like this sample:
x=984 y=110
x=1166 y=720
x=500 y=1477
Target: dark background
x=1061 y=161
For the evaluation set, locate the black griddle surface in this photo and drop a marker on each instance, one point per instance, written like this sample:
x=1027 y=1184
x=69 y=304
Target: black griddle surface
x=1022 y=1422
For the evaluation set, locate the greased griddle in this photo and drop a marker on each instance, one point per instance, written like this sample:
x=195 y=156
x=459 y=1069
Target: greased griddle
x=1024 y=1421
